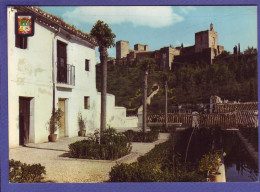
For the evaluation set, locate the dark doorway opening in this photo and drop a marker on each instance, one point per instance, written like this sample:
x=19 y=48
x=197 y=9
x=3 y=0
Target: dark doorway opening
x=24 y=120
x=61 y=62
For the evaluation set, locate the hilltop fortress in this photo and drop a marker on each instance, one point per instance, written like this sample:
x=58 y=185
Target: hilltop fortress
x=206 y=48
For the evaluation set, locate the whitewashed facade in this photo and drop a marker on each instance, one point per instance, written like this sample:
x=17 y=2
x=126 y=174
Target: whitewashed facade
x=35 y=80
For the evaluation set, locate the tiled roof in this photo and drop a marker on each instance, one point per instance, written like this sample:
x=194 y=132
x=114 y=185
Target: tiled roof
x=55 y=22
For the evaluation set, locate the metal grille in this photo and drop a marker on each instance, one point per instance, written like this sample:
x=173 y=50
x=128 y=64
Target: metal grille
x=67 y=77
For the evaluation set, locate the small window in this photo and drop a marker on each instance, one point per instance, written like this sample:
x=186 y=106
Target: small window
x=86 y=65
x=86 y=102
x=20 y=42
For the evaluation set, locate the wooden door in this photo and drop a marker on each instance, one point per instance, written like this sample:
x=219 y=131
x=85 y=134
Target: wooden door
x=61 y=105
x=24 y=120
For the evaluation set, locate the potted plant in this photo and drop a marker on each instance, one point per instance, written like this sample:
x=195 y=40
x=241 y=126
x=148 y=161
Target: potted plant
x=54 y=124
x=209 y=164
x=82 y=125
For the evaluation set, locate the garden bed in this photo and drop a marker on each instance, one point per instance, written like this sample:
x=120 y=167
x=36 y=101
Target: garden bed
x=113 y=146
x=155 y=166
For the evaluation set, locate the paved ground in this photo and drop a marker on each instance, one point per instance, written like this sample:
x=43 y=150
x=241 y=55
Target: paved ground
x=62 y=169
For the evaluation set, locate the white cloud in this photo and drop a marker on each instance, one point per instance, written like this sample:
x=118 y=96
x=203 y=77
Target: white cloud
x=186 y=9
x=178 y=43
x=152 y=16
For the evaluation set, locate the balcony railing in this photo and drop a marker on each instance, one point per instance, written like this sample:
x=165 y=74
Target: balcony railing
x=66 y=75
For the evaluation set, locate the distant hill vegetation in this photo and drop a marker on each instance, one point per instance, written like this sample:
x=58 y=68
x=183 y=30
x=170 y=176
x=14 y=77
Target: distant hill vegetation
x=232 y=77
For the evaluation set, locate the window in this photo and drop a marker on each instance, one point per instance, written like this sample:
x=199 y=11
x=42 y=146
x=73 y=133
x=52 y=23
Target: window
x=86 y=102
x=86 y=65
x=20 y=42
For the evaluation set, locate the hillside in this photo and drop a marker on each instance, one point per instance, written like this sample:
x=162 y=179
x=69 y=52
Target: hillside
x=232 y=77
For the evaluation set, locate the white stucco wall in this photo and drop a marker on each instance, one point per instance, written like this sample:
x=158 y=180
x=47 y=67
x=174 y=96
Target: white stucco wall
x=85 y=85
x=29 y=75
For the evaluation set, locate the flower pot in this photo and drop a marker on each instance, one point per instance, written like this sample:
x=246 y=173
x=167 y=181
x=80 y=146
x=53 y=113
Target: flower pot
x=81 y=133
x=52 y=137
x=215 y=177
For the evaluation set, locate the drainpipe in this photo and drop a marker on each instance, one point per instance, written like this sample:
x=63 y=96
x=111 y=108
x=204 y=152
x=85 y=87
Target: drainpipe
x=53 y=71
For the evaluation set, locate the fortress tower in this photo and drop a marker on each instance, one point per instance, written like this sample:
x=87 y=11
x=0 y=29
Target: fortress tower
x=122 y=49
x=206 y=39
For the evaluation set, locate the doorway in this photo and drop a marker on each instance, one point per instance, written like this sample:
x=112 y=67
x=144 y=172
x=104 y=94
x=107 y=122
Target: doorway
x=24 y=120
x=62 y=128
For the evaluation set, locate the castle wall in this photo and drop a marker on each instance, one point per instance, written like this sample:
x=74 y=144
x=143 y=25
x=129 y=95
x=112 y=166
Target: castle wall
x=140 y=47
x=203 y=56
x=142 y=55
x=187 y=50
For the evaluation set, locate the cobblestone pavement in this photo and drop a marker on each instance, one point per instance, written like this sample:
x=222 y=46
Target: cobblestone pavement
x=62 y=169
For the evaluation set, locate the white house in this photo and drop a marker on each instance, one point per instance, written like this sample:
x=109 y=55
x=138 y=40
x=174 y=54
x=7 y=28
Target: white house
x=55 y=67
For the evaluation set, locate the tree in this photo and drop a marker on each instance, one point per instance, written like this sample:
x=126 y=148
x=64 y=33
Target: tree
x=105 y=39
x=165 y=82
x=250 y=51
x=147 y=65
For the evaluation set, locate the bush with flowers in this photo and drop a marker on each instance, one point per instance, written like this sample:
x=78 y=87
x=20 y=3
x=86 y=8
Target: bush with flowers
x=209 y=163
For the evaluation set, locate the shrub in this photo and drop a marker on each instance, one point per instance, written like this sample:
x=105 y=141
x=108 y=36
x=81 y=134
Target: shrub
x=25 y=173
x=134 y=136
x=192 y=176
x=114 y=145
x=161 y=154
x=160 y=129
x=136 y=172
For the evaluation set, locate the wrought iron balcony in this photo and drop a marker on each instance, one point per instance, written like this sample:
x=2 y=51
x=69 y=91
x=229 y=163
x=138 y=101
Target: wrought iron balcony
x=66 y=74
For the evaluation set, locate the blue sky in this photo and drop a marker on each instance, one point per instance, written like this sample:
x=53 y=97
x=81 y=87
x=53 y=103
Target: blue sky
x=160 y=26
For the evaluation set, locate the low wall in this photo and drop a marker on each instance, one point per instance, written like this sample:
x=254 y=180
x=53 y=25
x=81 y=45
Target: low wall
x=116 y=116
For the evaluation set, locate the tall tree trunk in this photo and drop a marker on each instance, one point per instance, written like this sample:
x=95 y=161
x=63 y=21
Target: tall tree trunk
x=166 y=104
x=103 y=59
x=144 y=103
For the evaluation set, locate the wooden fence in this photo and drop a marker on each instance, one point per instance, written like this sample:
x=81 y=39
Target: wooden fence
x=224 y=120
x=231 y=107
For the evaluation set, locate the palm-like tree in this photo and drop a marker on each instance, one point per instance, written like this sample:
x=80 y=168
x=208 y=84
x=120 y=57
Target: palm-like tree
x=105 y=39
x=147 y=65
x=165 y=81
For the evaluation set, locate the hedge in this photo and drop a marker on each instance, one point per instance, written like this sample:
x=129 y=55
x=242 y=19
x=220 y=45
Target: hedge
x=134 y=136
x=114 y=145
